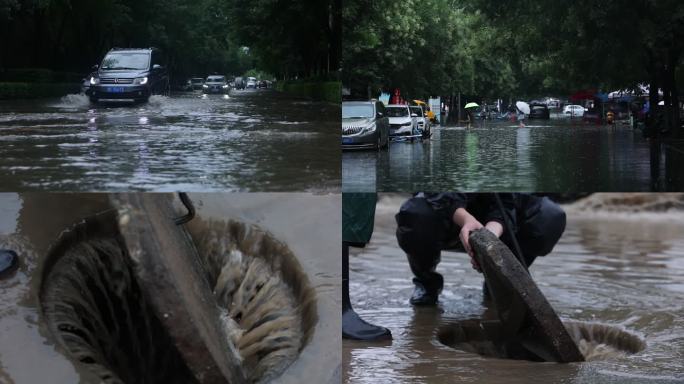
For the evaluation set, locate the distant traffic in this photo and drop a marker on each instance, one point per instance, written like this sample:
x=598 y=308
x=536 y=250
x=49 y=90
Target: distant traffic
x=135 y=74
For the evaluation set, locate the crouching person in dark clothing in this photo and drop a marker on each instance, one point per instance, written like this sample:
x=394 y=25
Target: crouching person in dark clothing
x=431 y=222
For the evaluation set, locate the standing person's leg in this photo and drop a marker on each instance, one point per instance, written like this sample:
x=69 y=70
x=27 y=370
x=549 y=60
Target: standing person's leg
x=422 y=234
x=358 y=217
x=353 y=326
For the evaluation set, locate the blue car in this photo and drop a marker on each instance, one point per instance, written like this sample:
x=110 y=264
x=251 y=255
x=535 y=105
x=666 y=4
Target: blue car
x=129 y=74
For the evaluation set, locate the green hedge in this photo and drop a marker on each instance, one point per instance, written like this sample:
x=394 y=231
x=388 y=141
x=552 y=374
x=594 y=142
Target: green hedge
x=328 y=91
x=36 y=90
x=39 y=75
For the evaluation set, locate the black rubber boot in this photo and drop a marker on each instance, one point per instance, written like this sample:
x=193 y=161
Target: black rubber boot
x=353 y=326
x=8 y=262
x=423 y=296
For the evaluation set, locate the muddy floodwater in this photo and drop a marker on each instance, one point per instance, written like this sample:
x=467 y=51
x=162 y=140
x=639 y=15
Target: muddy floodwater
x=31 y=222
x=252 y=140
x=619 y=266
x=557 y=155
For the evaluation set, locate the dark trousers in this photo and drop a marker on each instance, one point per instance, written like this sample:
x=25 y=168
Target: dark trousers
x=423 y=234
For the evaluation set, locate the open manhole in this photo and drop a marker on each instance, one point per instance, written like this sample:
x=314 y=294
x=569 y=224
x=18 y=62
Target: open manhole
x=595 y=341
x=525 y=326
x=106 y=306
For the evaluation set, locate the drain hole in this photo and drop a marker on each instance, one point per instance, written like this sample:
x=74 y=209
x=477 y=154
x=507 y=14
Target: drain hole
x=269 y=306
x=95 y=309
x=595 y=341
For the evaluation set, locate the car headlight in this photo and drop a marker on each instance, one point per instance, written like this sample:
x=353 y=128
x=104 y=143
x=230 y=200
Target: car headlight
x=140 y=80
x=94 y=80
x=205 y=86
x=225 y=86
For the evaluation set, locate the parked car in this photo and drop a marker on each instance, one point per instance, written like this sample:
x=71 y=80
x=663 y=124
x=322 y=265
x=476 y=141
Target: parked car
x=574 y=110
x=364 y=125
x=130 y=74
x=400 y=120
x=263 y=84
x=539 y=111
x=215 y=84
x=422 y=121
x=197 y=83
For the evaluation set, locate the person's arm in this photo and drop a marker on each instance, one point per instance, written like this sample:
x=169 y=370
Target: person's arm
x=469 y=223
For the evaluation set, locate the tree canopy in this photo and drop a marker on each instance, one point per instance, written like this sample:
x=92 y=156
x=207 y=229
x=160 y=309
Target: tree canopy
x=286 y=38
x=513 y=47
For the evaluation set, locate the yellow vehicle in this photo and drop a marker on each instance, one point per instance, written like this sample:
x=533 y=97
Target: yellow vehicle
x=428 y=112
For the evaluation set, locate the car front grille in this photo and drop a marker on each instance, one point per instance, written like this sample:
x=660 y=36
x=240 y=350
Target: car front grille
x=112 y=80
x=351 y=130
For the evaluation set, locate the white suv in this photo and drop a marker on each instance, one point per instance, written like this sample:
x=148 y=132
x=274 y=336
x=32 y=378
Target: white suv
x=574 y=110
x=401 y=121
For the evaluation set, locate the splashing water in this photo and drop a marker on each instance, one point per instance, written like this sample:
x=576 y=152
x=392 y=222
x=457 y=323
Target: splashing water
x=268 y=307
x=73 y=101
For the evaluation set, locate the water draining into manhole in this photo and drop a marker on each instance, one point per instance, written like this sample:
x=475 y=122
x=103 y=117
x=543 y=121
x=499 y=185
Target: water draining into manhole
x=595 y=341
x=100 y=315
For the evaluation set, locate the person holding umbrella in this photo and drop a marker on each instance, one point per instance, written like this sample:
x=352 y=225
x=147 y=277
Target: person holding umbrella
x=470 y=107
x=522 y=109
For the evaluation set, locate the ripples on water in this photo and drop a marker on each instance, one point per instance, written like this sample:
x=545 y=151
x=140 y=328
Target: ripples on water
x=610 y=268
x=252 y=140
x=560 y=155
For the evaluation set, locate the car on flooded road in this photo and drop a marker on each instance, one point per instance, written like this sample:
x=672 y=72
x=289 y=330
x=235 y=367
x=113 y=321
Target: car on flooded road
x=364 y=125
x=251 y=83
x=422 y=121
x=401 y=121
x=196 y=83
x=129 y=74
x=574 y=110
x=215 y=84
x=539 y=111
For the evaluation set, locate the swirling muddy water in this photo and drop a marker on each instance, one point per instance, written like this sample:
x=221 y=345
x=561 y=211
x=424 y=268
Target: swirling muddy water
x=557 y=155
x=617 y=274
x=250 y=140
x=30 y=224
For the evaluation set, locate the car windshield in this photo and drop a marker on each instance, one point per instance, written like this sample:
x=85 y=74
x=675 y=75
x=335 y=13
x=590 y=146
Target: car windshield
x=538 y=107
x=126 y=60
x=198 y=81
x=356 y=111
x=417 y=110
x=397 y=112
x=216 y=79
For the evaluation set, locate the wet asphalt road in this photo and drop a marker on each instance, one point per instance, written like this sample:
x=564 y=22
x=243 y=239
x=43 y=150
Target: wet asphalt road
x=251 y=140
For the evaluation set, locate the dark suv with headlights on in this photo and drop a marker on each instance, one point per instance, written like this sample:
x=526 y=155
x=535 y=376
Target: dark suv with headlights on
x=129 y=74
x=364 y=125
x=216 y=84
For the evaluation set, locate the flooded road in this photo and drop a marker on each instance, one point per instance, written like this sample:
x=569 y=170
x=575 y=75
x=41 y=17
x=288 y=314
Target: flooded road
x=31 y=222
x=557 y=155
x=616 y=265
x=251 y=140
